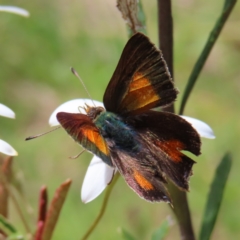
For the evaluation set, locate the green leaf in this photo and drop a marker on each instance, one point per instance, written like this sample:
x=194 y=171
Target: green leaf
x=215 y=197
x=161 y=232
x=126 y=235
x=227 y=9
x=6 y=226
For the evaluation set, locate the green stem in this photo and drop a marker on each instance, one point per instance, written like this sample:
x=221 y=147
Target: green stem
x=103 y=208
x=19 y=211
x=182 y=212
x=227 y=9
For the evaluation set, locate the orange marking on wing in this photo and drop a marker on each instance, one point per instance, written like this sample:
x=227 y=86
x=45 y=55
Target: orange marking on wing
x=142 y=181
x=97 y=139
x=139 y=81
x=141 y=93
x=140 y=98
x=172 y=148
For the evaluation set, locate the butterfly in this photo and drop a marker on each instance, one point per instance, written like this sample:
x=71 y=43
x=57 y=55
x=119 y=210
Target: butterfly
x=144 y=145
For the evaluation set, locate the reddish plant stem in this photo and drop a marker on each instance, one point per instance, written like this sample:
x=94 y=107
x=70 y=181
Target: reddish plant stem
x=4 y=196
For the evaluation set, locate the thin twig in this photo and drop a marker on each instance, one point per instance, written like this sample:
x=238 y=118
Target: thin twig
x=103 y=208
x=18 y=208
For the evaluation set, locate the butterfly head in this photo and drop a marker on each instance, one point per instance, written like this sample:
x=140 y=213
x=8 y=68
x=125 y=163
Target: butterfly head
x=93 y=112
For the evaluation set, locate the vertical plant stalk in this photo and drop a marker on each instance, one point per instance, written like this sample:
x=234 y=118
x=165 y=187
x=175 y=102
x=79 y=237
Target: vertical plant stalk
x=182 y=212
x=180 y=203
x=103 y=208
x=5 y=169
x=165 y=36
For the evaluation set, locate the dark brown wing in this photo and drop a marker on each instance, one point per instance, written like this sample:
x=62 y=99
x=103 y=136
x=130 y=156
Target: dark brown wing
x=141 y=174
x=141 y=80
x=81 y=128
x=167 y=135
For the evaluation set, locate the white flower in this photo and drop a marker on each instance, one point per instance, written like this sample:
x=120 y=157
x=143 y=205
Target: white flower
x=6 y=111
x=93 y=186
x=4 y=146
x=16 y=10
x=99 y=174
x=202 y=128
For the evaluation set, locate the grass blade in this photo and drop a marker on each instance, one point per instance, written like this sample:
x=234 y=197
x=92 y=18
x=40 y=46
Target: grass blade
x=5 y=225
x=162 y=231
x=227 y=9
x=215 y=197
x=126 y=235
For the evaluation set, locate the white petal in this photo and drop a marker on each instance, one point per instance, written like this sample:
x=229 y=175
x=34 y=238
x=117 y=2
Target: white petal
x=6 y=111
x=16 y=10
x=7 y=148
x=72 y=106
x=97 y=177
x=202 y=128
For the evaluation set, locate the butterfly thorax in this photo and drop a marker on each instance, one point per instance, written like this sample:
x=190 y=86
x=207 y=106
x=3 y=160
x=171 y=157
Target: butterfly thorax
x=115 y=130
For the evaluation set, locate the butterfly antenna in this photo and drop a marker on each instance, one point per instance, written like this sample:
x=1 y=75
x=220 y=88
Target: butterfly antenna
x=78 y=155
x=39 y=135
x=76 y=74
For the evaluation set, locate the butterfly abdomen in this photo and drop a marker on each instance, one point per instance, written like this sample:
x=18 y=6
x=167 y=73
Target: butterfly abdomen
x=112 y=127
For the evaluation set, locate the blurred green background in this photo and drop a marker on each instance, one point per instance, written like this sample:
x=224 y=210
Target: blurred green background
x=35 y=58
